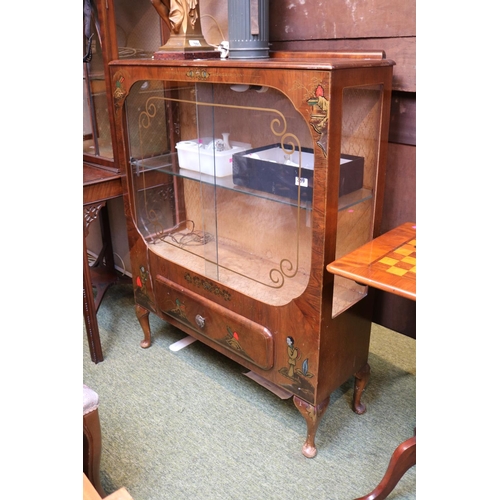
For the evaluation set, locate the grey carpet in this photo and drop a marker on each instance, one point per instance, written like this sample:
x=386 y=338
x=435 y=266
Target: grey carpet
x=190 y=425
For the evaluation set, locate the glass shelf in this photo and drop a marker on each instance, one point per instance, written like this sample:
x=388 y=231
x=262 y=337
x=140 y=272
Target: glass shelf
x=168 y=164
x=354 y=198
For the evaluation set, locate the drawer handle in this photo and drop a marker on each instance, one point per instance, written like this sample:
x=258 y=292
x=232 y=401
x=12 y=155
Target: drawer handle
x=200 y=320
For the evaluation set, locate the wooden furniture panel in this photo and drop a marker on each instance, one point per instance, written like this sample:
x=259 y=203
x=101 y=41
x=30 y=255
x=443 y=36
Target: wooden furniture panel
x=395 y=313
x=100 y=184
x=292 y=20
x=391 y=311
x=400 y=203
x=403 y=128
x=401 y=50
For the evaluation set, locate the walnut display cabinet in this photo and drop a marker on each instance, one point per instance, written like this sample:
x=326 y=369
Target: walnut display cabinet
x=244 y=179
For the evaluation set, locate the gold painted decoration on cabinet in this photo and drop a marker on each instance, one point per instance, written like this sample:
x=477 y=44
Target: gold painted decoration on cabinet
x=319 y=116
x=296 y=372
x=198 y=74
x=141 y=284
x=208 y=286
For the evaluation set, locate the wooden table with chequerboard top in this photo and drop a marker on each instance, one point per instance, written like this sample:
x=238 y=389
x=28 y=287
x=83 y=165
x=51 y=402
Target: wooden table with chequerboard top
x=388 y=263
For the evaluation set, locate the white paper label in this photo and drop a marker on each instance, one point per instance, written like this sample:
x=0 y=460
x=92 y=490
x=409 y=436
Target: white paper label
x=302 y=181
x=194 y=43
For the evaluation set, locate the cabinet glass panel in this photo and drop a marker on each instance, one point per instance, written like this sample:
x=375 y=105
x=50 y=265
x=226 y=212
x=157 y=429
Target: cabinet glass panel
x=96 y=128
x=137 y=29
x=223 y=183
x=361 y=128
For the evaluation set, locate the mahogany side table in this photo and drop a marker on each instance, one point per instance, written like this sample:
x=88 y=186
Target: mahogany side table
x=388 y=263
x=99 y=186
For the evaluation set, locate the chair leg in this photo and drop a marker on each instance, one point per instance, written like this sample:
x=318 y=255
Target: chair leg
x=403 y=458
x=92 y=449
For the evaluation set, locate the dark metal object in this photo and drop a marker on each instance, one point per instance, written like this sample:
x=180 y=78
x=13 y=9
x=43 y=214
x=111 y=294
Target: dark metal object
x=248 y=27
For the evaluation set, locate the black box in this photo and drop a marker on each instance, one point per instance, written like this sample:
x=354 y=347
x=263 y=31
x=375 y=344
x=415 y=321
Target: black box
x=351 y=173
x=265 y=169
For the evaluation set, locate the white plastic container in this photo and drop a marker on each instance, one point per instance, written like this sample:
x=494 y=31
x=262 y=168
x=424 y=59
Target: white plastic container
x=199 y=155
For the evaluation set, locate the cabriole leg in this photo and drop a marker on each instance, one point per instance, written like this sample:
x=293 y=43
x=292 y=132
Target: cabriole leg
x=143 y=316
x=403 y=458
x=361 y=379
x=312 y=415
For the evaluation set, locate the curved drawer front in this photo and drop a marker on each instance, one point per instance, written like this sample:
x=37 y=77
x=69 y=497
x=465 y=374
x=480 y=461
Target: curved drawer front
x=242 y=336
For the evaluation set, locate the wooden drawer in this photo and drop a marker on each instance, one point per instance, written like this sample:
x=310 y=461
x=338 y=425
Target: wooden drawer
x=244 y=337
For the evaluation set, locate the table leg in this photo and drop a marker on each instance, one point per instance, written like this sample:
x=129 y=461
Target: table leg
x=89 y=311
x=403 y=458
x=101 y=275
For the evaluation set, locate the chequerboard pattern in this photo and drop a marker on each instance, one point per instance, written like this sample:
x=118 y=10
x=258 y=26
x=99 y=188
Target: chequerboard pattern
x=401 y=262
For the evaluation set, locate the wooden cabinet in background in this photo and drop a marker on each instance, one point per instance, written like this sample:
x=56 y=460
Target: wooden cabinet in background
x=116 y=29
